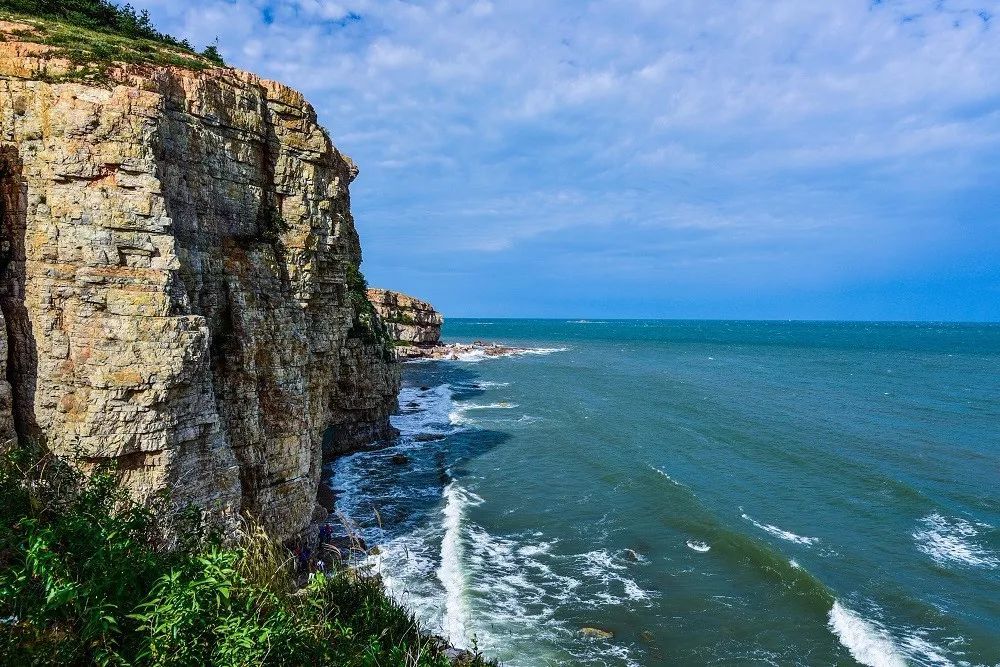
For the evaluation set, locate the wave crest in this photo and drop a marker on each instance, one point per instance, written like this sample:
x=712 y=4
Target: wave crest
x=952 y=540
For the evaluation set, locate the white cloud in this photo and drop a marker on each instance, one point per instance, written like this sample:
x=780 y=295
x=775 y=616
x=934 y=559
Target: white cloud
x=468 y=119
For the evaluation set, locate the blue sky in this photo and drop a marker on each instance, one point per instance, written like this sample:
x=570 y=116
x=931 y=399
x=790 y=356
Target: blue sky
x=644 y=158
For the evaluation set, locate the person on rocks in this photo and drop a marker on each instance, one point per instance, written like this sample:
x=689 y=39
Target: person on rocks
x=304 y=559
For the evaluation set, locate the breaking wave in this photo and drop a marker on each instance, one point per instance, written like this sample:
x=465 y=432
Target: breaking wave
x=868 y=642
x=953 y=540
x=477 y=355
x=781 y=533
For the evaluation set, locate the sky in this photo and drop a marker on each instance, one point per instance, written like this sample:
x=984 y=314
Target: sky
x=760 y=159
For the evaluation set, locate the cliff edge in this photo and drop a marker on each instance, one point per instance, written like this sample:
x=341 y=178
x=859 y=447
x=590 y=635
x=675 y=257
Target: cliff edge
x=175 y=257
x=410 y=321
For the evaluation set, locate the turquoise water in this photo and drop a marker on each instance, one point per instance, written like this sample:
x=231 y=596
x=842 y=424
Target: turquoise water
x=710 y=492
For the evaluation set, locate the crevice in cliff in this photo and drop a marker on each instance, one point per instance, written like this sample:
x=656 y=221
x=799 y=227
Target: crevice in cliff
x=22 y=359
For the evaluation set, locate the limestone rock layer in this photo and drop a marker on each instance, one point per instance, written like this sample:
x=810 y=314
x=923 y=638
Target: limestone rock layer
x=409 y=320
x=173 y=264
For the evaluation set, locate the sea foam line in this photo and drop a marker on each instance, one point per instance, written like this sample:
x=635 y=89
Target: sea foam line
x=950 y=540
x=663 y=473
x=781 y=533
x=869 y=643
x=476 y=356
x=451 y=573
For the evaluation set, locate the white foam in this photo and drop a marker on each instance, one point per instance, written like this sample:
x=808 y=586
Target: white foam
x=543 y=350
x=431 y=414
x=781 y=533
x=501 y=592
x=928 y=653
x=951 y=540
x=408 y=564
x=610 y=571
x=867 y=641
x=502 y=405
x=459 y=414
x=700 y=547
x=450 y=572
x=485 y=384
x=666 y=475
x=475 y=356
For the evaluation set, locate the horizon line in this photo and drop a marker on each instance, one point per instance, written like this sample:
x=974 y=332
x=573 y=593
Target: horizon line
x=714 y=319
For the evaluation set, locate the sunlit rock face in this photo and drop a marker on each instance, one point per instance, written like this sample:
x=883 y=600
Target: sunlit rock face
x=173 y=265
x=409 y=320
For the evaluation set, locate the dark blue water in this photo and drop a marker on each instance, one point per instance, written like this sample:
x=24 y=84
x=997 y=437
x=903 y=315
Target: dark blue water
x=709 y=492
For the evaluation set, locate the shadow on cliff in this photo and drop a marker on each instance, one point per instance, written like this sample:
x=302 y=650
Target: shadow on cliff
x=396 y=490
x=22 y=356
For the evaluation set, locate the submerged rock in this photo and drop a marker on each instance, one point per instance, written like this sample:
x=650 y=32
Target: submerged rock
x=597 y=633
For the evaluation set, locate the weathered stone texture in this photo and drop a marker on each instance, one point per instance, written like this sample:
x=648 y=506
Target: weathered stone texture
x=7 y=434
x=174 y=284
x=409 y=320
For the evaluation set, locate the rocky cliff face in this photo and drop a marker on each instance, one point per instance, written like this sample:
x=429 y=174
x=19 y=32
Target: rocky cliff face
x=410 y=321
x=173 y=263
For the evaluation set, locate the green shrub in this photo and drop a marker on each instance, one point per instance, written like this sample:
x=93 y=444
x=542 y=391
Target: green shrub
x=95 y=15
x=367 y=324
x=211 y=53
x=93 y=33
x=86 y=579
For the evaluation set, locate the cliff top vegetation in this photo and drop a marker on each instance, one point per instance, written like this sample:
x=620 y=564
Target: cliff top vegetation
x=95 y=33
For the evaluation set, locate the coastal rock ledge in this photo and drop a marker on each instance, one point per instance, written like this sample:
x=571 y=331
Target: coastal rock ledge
x=410 y=321
x=174 y=259
x=415 y=329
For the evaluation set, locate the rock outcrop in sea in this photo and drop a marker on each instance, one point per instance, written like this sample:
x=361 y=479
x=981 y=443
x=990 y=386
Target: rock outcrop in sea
x=415 y=328
x=413 y=324
x=175 y=257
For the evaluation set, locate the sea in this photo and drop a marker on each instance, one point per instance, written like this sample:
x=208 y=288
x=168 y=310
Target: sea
x=700 y=492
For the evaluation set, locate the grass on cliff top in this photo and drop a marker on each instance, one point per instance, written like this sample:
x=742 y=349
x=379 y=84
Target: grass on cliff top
x=85 y=578
x=94 y=34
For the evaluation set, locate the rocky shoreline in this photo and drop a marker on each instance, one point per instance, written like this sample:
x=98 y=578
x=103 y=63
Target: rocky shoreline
x=455 y=351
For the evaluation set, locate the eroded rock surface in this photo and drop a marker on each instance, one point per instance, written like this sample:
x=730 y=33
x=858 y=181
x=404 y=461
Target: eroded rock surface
x=173 y=279
x=409 y=320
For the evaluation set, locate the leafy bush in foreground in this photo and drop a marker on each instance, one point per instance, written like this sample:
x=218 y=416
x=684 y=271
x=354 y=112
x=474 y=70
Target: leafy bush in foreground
x=85 y=578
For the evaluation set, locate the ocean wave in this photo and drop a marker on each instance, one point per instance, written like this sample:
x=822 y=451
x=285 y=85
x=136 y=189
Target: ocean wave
x=543 y=350
x=458 y=416
x=867 y=640
x=516 y=584
x=408 y=564
x=430 y=411
x=952 y=540
x=871 y=643
x=663 y=473
x=610 y=570
x=502 y=405
x=477 y=356
x=483 y=384
x=781 y=533
x=451 y=572
x=700 y=547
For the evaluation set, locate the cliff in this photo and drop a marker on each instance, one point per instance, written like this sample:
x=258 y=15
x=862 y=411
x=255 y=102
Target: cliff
x=410 y=321
x=174 y=282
